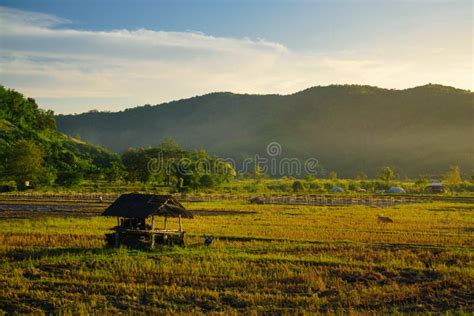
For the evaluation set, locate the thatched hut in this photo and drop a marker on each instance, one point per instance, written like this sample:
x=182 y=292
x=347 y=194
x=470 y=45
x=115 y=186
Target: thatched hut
x=435 y=187
x=136 y=215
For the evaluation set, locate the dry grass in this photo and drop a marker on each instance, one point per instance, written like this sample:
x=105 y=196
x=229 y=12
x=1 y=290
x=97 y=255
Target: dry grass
x=266 y=258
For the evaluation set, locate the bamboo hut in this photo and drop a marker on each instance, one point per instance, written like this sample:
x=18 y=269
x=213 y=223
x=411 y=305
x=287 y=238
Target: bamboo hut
x=435 y=187
x=137 y=220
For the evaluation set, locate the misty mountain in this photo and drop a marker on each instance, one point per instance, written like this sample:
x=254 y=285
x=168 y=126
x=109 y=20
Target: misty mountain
x=348 y=128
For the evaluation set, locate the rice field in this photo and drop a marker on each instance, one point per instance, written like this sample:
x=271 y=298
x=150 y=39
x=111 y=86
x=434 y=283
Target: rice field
x=276 y=259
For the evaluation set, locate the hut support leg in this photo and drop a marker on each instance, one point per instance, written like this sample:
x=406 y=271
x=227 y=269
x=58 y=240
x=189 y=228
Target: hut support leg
x=117 y=236
x=117 y=239
x=152 y=246
x=180 y=226
x=166 y=222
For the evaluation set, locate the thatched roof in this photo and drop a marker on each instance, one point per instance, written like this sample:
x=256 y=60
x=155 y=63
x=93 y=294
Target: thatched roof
x=135 y=205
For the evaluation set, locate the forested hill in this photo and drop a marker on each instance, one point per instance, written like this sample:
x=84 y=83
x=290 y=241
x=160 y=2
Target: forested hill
x=348 y=128
x=31 y=148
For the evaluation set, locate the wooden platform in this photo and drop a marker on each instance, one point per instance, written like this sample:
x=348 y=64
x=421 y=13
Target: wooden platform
x=145 y=238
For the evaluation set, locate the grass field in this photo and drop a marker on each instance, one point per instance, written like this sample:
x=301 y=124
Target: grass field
x=284 y=259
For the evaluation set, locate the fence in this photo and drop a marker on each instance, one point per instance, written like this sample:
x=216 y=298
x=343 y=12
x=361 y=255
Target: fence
x=320 y=199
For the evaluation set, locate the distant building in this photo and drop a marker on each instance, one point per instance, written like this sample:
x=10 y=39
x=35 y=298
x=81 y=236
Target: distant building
x=435 y=187
x=396 y=190
x=337 y=189
x=136 y=220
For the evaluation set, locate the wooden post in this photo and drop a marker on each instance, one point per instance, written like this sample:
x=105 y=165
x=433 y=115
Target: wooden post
x=117 y=239
x=152 y=246
x=117 y=235
x=180 y=226
x=166 y=222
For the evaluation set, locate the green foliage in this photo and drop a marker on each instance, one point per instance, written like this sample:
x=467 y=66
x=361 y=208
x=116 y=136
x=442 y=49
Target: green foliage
x=24 y=162
x=24 y=112
x=386 y=174
x=8 y=186
x=421 y=184
x=453 y=176
x=207 y=181
x=69 y=178
x=316 y=186
x=353 y=186
x=258 y=173
x=298 y=186
x=170 y=163
x=200 y=170
x=116 y=172
x=136 y=164
x=32 y=150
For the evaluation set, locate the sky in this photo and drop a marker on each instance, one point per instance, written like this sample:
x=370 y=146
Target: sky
x=74 y=56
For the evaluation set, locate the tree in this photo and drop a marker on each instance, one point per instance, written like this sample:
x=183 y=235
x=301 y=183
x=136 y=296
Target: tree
x=70 y=177
x=298 y=186
x=136 y=162
x=258 y=173
x=386 y=174
x=332 y=175
x=180 y=184
x=170 y=145
x=422 y=183
x=207 y=181
x=115 y=172
x=453 y=176
x=24 y=161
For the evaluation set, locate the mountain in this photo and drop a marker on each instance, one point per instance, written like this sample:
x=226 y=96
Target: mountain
x=348 y=128
x=31 y=148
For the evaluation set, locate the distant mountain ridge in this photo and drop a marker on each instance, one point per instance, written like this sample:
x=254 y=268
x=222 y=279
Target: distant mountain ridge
x=348 y=128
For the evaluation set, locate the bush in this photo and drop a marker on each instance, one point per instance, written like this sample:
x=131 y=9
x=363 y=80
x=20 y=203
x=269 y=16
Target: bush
x=328 y=186
x=463 y=187
x=354 y=186
x=207 y=181
x=298 y=186
x=316 y=186
x=69 y=178
x=8 y=186
x=281 y=187
x=343 y=185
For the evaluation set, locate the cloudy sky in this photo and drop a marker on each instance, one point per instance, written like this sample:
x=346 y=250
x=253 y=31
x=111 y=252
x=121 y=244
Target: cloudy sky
x=74 y=56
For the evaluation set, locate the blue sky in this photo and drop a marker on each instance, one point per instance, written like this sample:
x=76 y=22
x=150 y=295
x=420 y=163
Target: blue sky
x=73 y=56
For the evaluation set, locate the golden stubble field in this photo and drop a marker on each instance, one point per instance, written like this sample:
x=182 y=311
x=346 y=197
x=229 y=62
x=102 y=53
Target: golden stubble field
x=278 y=259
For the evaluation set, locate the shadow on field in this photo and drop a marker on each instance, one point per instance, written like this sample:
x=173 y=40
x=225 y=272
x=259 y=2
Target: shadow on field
x=20 y=254
x=468 y=229
x=263 y=239
x=452 y=209
x=220 y=213
x=382 y=276
x=25 y=214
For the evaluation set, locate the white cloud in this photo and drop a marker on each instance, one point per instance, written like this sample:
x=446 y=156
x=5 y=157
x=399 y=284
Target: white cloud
x=76 y=70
